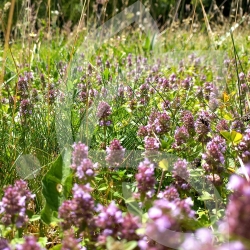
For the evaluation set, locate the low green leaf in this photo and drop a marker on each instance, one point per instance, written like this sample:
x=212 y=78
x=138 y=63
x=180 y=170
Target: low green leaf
x=205 y=196
x=226 y=135
x=57 y=185
x=236 y=137
x=43 y=241
x=228 y=117
x=57 y=247
x=35 y=217
x=103 y=188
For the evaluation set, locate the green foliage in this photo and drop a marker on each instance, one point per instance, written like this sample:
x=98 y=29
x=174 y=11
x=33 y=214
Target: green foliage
x=57 y=185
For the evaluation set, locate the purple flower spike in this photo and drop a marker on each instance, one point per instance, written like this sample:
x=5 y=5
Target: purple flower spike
x=103 y=110
x=145 y=179
x=181 y=174
x=214 y=156
x=4 y=245
x=109 y=220
x=151 y=143
x=170 y=193
x=79 y=210
x=181 y=136
x=188 y=121
x=244 y=146
x=14 y=202
x=70 y=242
x=80 y=152
x=115 y=153
x=25 y=108
x=237 y=212
x=202 y=126
x=29 y=244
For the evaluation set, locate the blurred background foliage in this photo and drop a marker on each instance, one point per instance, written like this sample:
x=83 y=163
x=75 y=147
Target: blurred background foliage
x=66 y=14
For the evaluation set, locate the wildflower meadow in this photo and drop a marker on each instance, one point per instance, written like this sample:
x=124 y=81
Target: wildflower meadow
x=122 y=128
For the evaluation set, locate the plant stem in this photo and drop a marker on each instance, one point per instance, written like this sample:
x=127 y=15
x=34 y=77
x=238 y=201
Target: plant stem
x=162 y=176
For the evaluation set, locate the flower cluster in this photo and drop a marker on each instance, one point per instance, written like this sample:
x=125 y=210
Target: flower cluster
x=163 y=83
x=23 y=84
x=25 y=108
x=80 y=152
x=188 y=121
x=186 y=83
x=222 y=125
x=170 y=193
x=151 y=143
x=52 y=93
x=208 y=89
x=115 y=154
x=181 y=136
x=70 y=242
x=145 y=180
x=129 y=226
x=158 y=123
x=112 y=223
x=14 y=203
x=202 y=126
x=168 y=215
x=29 y=244
x=79 y=210
x=181 y=174
x=82 y=95
x=144 y=94
x=103 y=112
x=244 y=146
x=4 y=245
x=85 y=171
x=205 y=240
x=238 y=126
x=237 y=212
x=81 y=164
x=214 y=159
x=213 y=102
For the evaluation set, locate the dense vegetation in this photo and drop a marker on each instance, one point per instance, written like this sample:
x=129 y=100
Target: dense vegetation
x=68 y=13
x=140 y=140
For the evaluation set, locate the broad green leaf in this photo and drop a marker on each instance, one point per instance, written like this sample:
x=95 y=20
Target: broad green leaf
x=205 y=196
x=57 y=185
x=106 y=74
x=103 y=188
x=236 y=137
x=43 y=241
x=130 y=245
x=145 y=217
x=226 y=135
x=35 y=217
x=129 y=200
x=147 y=43
x=123 y=244
x=57 y=247
x=17 y=241
x=233 y=136
x=116 y=194
x=228 y=117
x=164 y=144
x=46 y=214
